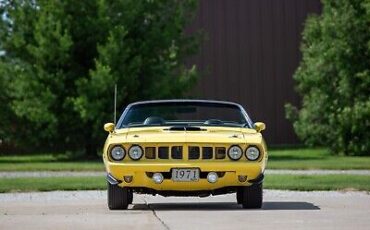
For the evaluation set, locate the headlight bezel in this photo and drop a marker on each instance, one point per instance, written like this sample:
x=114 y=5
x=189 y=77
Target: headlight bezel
x=252 y=147
x=111 y=152
x=235 y=146
x=135 y=146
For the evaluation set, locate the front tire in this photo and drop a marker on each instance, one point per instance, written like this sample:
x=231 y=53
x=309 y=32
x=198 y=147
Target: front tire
x=130 y=196
x=251 y=197
x=239 y=195
x=118 y=198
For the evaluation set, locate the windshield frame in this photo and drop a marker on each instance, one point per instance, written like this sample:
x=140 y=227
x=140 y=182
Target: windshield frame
x=249 y=123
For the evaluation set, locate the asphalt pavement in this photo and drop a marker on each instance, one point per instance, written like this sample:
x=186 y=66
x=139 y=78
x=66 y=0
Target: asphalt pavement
x=281 y=210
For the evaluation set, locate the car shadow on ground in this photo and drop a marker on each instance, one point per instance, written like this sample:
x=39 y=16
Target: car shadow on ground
x=225 y=206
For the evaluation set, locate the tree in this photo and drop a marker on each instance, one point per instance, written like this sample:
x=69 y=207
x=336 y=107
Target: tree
x=64 y=57
x=334 y=79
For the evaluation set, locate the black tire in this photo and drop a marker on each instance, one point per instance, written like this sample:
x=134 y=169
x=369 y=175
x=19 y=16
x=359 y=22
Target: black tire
x=117 y=197
x=130 y=196
x=252 y=196
x=239 y=195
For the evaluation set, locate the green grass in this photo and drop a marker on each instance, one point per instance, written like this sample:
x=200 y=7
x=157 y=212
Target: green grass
x=51 y=184
x=314 y=159
x=47 y=162
x=285 y=182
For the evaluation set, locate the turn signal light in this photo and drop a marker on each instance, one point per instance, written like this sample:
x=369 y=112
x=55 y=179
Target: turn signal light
x=242 y=178
x=128 y=179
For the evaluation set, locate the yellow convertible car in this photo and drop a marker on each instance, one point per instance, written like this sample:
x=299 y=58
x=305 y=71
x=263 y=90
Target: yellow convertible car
x=184 y=148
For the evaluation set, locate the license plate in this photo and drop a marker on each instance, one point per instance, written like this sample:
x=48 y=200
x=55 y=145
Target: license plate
x=185 y=174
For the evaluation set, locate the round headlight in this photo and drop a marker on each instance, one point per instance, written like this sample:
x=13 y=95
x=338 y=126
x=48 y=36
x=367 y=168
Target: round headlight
x=252 y=153
x=117 y=153
x=235 y=152
x=135 y=152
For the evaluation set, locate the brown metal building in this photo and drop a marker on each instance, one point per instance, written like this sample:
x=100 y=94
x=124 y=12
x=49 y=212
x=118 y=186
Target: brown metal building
x=249 y=56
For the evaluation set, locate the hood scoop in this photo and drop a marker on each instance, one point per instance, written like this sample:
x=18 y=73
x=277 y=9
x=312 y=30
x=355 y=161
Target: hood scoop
x=185 y=128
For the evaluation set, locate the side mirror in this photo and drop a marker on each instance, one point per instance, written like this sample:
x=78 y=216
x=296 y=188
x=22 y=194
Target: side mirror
x=109 y=127
x=259 y=126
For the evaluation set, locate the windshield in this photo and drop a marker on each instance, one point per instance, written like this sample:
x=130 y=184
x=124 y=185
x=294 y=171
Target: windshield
x=183 y=114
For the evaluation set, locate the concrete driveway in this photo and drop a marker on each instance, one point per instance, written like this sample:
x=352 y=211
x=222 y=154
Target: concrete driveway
x=281 y=210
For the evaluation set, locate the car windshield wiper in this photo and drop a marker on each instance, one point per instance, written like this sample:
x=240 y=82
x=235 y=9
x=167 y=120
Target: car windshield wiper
x=185 y=128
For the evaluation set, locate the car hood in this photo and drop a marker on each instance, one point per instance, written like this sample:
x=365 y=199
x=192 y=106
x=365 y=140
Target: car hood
x=207 y=134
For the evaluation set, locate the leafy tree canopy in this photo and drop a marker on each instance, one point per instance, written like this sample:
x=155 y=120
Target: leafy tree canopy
x=334 y=79
x=63 y=57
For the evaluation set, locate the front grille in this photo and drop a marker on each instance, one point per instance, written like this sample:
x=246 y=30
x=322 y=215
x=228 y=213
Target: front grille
x=207 y=153
x=194 y=152
x=163 y=153
x=150 y=152
x=176 y=152
x=220 y=153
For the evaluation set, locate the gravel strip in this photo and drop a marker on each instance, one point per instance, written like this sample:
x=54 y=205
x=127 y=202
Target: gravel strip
x=21 y=174
x=50 y=174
